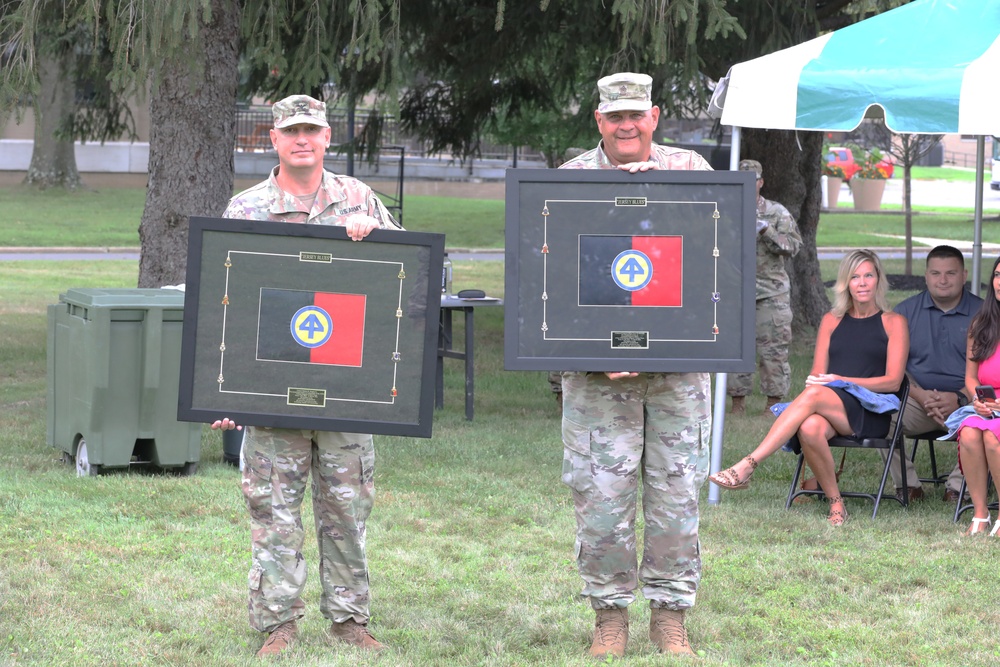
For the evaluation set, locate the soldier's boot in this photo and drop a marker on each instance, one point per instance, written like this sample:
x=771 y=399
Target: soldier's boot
x=771 y=402
x=610 y=633
x=739 y=405
x=666 y=630
x=355 y=634
x=280 y=639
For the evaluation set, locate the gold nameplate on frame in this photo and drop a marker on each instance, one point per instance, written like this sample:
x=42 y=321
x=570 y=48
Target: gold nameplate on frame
x=630 y=340
x=310 y=398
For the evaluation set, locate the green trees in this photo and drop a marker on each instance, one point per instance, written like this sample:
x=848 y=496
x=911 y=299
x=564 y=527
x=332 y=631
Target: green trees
x=185 y=53
x=458 y=68
x=72 y=98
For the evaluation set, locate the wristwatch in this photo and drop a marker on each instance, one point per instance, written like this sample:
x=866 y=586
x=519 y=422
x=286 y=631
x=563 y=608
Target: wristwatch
x=963 y=400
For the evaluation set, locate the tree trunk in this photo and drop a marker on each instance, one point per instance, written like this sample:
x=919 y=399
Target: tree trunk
x=193 y=124
x=792 y=177
x=53 y=160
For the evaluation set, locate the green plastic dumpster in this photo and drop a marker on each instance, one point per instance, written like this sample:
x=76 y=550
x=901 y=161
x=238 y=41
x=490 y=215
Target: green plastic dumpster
x=113 y=368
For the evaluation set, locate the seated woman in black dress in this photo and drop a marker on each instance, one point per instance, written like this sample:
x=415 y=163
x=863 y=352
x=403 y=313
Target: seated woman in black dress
x=859 y=341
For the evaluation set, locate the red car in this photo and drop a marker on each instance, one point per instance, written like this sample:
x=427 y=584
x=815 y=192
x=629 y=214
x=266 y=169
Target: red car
x=844 y=158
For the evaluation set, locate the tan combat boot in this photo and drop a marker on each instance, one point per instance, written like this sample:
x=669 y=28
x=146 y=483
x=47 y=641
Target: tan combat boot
x=771 y=402
x=739 y=405
x=280 y=639
x=353 y=633
x=666 y=630
x=610 y=633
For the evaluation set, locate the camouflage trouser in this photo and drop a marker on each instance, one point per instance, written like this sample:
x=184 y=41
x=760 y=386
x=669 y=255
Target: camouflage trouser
x=774 y=333
x=276 y=465
x=656 y=423
x=555 y=382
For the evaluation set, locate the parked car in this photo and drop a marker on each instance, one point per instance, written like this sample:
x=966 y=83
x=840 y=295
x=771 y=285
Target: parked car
x=838 y=156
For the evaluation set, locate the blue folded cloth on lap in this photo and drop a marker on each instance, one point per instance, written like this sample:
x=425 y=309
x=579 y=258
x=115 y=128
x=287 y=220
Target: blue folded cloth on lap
x=955 y=419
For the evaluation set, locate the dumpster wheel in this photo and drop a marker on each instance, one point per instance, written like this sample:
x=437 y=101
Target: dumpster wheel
x=186 y=470
x=83 y=466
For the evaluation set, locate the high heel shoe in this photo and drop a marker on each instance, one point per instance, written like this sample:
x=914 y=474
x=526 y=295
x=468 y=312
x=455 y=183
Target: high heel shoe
x=728 y=479
x=837 y=517
x=977 y=526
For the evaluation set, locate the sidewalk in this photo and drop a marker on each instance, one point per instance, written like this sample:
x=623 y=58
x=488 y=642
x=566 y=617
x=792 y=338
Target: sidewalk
x=461 y=254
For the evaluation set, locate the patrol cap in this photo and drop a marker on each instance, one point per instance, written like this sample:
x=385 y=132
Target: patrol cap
x=752 y=165
x=625 y=91
x=299 y=109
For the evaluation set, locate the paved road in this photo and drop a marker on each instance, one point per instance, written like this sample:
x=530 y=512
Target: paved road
x=100 y=254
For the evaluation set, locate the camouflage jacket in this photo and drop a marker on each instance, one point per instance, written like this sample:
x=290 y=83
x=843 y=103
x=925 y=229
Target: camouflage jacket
x=337 y=198
x=781 y=239
x=665 y=157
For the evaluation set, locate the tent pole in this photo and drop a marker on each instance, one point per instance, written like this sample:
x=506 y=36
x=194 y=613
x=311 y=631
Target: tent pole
x=719 y=409
x=977 y=239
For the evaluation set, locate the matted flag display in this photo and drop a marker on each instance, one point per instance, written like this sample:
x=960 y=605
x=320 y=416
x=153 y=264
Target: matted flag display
x=311 y=327
x=631 y=270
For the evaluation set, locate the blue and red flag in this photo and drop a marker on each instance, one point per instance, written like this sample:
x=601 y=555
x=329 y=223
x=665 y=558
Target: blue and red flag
x=311 y=327
x=631 y=270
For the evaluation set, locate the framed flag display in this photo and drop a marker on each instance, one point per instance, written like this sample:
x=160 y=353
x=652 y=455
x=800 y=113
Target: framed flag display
x=611 y=271
x=297 y=326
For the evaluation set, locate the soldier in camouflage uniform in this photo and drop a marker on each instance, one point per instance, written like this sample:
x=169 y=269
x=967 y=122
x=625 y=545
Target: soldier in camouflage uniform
x=618 y=425
x=277 y=462
x=778 y=238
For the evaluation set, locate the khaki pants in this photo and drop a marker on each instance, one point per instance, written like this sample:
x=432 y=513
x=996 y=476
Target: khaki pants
x=915 y=422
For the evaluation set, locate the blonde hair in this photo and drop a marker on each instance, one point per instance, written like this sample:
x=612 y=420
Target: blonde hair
x=842 y=299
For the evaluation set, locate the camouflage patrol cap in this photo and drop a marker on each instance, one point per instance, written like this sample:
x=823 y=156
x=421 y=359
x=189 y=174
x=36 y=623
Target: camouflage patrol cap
x=752 y=165
x=625 y=91
x=299 y=109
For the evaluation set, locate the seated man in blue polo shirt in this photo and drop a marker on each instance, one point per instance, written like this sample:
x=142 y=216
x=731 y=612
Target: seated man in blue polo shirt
x=939 y=320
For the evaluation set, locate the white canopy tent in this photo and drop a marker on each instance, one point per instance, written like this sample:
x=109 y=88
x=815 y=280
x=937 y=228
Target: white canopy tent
x=928 y=67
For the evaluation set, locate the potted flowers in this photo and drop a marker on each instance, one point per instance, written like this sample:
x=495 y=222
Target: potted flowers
x=835 y=177
x=868 y=183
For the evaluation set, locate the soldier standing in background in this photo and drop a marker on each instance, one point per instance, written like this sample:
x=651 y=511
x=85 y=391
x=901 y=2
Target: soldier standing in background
x=778 y=238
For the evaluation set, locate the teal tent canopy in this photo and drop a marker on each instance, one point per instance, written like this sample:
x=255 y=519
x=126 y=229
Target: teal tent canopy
x=930 y=66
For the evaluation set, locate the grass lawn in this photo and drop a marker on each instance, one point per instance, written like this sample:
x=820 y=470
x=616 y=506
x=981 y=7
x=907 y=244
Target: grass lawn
x=109 y=217
x=470 y=543
x=943 y=174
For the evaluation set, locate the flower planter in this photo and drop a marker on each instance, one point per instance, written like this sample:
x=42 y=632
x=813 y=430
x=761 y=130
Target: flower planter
x=833 y=184
x=867 y=193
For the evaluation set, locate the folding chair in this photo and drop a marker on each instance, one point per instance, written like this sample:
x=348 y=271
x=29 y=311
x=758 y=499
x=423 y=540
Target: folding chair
x=930 y=437
x=895 y=443
x=961 y=508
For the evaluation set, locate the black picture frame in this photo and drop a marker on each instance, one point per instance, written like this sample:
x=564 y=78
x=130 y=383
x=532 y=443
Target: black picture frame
x=566 y=310
x=297 y=326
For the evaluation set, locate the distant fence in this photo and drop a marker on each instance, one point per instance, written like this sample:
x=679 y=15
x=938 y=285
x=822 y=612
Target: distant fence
x=957 y=159
x=253 y=125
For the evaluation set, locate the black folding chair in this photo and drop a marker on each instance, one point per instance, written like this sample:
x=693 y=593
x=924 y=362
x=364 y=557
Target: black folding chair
x=962 y=507
x=930 y=437
x=894 y=443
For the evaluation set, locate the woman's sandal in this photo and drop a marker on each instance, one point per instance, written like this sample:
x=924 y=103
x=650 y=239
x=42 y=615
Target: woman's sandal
x=728 y=479
x=837 y=517
x=977 y=526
